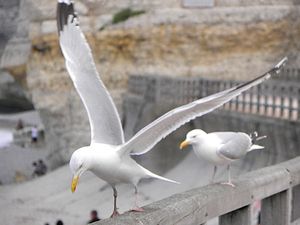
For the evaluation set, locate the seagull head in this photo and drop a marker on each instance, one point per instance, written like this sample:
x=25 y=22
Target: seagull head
x=192 y=137
x=79 y=163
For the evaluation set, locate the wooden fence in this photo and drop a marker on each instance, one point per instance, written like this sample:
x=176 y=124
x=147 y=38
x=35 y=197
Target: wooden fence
x=278 y=188
x=273 y=98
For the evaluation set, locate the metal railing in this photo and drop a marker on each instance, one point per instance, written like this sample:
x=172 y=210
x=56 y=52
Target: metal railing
x=275 y=98
x=276 y=186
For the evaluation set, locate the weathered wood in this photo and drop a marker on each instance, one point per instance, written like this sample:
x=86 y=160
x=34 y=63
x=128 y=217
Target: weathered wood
x=202 y=204
x=296 y=222
x=276 y=209
x=237 y=217
x=296 y=203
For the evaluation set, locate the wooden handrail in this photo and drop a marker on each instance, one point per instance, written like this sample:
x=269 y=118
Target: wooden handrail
x=273 y=185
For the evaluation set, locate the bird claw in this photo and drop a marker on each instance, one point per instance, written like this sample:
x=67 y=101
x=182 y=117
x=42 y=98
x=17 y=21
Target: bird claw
x=229 y=183
x=115 y=213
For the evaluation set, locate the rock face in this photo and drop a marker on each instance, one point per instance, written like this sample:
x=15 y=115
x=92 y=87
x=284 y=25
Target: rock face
x=12 y=97
x=234 y=39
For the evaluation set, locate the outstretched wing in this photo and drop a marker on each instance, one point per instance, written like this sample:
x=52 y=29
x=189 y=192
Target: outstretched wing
x=103 y=116
x=146 y=138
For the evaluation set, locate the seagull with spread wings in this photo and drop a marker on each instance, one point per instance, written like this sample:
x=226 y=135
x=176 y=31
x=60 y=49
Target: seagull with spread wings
x=108 y=155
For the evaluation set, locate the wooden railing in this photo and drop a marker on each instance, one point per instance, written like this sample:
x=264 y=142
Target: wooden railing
x=278 y=188
x=274 y=98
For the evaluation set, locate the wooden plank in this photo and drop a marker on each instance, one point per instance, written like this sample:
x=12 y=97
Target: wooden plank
x=296 y=203
x=237 y=217
x=276 y=210
x=296 y=222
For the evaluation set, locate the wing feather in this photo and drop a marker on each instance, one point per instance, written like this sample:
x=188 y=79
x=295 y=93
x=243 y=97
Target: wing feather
x=150 y=135
x=235 y=145
x=103 y=116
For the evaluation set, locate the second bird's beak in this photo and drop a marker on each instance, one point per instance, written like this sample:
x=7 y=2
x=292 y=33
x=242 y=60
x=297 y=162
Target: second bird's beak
x=74 y=183
x=184 y=144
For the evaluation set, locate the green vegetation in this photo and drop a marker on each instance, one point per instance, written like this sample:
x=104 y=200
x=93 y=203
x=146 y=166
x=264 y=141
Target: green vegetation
x=125 y=14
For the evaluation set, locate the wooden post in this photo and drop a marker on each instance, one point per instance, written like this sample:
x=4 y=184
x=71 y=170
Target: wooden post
x=276 y=209
x=237 y=217
x=295 y=203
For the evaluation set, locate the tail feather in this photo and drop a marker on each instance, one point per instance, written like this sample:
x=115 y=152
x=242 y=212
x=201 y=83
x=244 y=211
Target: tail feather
x=254 y=137
x=165 y=179
x=255 y=147
x=153 y=175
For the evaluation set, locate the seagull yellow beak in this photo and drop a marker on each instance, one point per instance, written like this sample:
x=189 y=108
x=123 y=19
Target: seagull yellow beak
x=74 y=183
x=184 y=144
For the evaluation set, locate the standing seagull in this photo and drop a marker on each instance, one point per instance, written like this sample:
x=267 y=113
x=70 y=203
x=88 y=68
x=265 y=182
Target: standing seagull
x=108 y=155
x=221 y=148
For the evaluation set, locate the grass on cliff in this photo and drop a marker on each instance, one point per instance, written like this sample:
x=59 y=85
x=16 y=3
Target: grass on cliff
x=125 y=14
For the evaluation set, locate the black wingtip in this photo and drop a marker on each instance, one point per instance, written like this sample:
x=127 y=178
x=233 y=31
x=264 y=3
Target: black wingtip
x=275 y=70
x=65 y=8
x=281 y=64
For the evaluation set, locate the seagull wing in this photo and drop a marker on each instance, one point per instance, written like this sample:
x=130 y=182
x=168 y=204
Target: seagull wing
x=150 y=135
x=103 y=116
x=233 y=145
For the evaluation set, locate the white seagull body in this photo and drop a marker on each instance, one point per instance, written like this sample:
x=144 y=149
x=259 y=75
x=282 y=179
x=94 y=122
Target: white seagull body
x=221 y=148
x=108 y=155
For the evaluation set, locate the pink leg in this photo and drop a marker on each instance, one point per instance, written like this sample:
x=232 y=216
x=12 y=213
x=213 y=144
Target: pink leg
x=229 y=178
x=115 y=212
x=136 y=207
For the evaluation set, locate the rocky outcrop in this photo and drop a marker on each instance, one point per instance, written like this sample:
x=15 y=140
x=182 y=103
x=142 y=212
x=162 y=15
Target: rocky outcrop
x=14 y=42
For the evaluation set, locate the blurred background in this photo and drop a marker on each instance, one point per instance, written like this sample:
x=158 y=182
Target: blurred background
x=152 y=56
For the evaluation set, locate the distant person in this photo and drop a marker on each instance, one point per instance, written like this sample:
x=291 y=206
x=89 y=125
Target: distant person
x=34 y=134
x=94 y=216
x=59 y=222
x=20 y=125
x=36 y=172
x=47 y=224
x=42 y=167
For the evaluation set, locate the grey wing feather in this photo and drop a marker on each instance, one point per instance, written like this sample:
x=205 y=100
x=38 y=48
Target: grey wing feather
x=235 y=145
x=103 y=116
x=146 y=138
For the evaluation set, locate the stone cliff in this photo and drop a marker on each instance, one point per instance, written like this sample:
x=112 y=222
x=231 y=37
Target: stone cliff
x=233 y=39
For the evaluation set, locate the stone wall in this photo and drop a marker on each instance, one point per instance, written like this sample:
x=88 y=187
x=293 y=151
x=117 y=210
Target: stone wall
x=235 y=39
x=14 y=42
